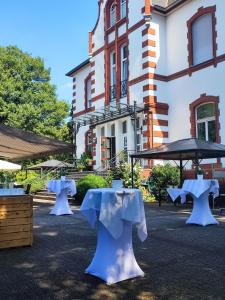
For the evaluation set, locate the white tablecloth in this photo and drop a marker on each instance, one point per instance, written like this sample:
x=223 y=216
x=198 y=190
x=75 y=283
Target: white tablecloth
x=115 y=210
x=12 y=192
x=199 y=189
x=62 y=188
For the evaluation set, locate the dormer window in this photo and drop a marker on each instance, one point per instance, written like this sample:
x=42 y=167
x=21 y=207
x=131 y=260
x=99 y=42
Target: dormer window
x=112 y=14
x=123 y=8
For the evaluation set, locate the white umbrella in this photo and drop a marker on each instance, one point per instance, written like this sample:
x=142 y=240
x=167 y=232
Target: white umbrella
x=8 y=166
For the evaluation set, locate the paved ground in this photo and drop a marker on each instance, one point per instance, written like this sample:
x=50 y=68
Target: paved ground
x=180 y=261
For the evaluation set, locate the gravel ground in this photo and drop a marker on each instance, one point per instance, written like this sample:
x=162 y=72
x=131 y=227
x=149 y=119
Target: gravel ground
x=180 y=261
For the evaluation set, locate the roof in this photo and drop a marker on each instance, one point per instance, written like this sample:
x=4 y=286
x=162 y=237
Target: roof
x=19 y=144
x=77 y=68
x=187 y=149
x=163 y=3
x=53 y=163
x=165 y=6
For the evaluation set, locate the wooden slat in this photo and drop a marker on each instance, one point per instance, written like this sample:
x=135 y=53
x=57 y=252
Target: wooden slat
x=14 y=207
x=17 y=221
x=15 y=199
x=15 y=214
x=16 y=243
x=17 y=228
x=14 y=236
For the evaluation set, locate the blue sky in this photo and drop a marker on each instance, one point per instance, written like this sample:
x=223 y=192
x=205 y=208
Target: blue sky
x=55 y=30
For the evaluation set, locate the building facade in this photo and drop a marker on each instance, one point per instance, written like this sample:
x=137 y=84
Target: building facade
x=154 y=75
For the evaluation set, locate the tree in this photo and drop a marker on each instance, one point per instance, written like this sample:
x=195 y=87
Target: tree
x=27 y=98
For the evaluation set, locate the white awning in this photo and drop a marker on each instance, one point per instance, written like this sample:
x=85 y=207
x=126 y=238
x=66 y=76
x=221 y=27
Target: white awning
x=8 y=166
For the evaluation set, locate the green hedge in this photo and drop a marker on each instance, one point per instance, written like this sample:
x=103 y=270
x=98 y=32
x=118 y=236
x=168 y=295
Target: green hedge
x=161 y=178
x=89 y=182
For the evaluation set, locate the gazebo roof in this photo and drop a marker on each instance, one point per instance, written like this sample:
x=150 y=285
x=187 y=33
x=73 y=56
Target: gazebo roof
x=53 y=163
x=19 y=144
x=187 y=149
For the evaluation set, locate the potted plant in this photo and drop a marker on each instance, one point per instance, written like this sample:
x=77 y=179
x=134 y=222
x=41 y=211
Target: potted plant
x=199 y=172
x=117 y=181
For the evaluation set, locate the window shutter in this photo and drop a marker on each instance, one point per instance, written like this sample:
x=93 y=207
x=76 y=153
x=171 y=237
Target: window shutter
x=202 y=39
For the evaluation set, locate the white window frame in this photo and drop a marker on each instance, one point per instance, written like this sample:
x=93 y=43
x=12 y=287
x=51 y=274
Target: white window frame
x=112 y=68
x=123 y=9
x=89 y=98
x=112 y=14
x=124 y=64
x=204 y=120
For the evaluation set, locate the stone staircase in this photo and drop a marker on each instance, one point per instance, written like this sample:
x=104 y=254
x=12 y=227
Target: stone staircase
x=45 y=196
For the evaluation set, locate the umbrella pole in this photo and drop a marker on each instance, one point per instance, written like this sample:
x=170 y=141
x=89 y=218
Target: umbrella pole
x=132 y=172
x=181 y=172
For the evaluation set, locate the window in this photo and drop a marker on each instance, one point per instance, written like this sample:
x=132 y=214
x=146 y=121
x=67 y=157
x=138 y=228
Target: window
x=112 y=14
x=124 y=127
x=206 y=122
x=139 y=147
x=125 y=144
x=102 y=131
x=113 y=130
x=112 y=75
x=124 y=70
x=89 y=102
x=138 y=123
x=202 y=39
x=89 y=142
x=123 y=8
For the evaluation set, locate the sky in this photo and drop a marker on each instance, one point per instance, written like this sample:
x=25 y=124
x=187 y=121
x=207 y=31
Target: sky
x=55 y=30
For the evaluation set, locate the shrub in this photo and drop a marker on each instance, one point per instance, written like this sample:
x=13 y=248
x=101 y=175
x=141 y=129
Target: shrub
x=89 y=182
x=37 y=183
x=162 y=177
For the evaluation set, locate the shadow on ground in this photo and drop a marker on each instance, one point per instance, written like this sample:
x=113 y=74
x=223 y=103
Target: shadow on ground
x=180 y=261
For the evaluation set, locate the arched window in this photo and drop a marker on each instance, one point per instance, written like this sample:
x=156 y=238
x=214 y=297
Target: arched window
x=202 y=40
x=123 y=8
x=206 y=122
x=112 y=14
x=202 y=36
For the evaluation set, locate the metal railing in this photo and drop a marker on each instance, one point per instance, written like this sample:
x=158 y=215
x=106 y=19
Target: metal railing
x=123 y=88
x=112 y=92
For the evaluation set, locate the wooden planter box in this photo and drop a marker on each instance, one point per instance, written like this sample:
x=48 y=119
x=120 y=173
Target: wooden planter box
x=16 y=221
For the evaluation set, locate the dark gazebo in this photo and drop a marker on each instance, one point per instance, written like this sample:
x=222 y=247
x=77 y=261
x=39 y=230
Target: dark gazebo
x=187 y=149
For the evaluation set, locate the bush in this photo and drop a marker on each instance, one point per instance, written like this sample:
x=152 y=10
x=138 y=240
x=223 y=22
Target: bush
x=89 y=182
x=123 y=171
x=37 y=183
x=161 y=178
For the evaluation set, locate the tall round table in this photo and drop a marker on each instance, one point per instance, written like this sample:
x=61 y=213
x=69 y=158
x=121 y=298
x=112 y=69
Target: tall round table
x=199 y=189
x=115 y=211
x=62 y=188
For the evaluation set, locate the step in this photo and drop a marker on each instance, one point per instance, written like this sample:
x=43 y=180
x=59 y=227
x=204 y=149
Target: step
x=44 y=197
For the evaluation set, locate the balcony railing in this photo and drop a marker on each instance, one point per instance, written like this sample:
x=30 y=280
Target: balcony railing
x=112 y=92
x=123 y=88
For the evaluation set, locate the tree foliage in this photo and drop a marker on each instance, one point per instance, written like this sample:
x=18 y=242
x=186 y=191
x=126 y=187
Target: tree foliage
x=27 y=98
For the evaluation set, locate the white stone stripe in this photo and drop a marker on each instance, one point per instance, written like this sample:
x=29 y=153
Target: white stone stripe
x=160 y=140
x=149 y=93
x=160 y=128
x=160 y=117
x=149 y=48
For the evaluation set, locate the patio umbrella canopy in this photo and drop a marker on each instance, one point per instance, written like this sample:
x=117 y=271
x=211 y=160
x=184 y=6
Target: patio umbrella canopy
x=187 y=149
x=53 y=163
x=8 y=166
x=19 y=144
